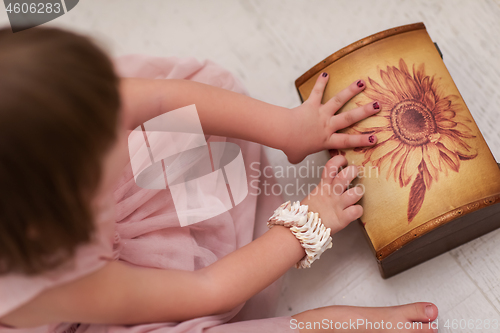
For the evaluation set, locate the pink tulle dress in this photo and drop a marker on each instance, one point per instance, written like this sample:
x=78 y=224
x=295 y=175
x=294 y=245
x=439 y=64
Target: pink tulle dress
x=142 y=229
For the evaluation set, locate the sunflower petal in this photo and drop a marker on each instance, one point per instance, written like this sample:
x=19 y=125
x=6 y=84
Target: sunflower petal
x=434 y=155
x=419 y=75
x=374 y=121
x=450 y=158
x=462 y=134
x=425 y=85
x=413 y=161
x=403 y=84
x=444 y=104
x=448 y=143
x=385 y=162
x=396 y=157
x=462 y=119
x=370 y=130
x=444 y=115
x=386 y=111
x=446 y=123
x=384 y=148
x=455 y=98
x=433 y=171
x=398 y=170
x=388 y=99
x=378 y=88
x=384 y=136
x=380 y=94
x=413 y=90
x=403 y=67
x=398 y=82
x=430 y=99
x=464 y=151
x=361 y=130
x=388 y=82
x=405 y=178
x=463 y=128
x=461 y=142
x=427 y=176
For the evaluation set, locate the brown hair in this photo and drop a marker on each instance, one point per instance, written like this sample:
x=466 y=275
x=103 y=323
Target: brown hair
x=59 y=105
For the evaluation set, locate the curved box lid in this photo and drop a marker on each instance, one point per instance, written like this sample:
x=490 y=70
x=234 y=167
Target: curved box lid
x=431 y=164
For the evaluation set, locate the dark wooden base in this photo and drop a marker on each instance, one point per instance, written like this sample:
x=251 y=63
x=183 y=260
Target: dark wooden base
x=441 y=240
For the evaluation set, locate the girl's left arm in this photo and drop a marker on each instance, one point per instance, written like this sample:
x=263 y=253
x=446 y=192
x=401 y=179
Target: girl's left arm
x=221 y=112
x=306 y=129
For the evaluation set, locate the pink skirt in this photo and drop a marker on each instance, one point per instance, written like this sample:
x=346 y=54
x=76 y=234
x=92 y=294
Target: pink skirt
x=147 y=232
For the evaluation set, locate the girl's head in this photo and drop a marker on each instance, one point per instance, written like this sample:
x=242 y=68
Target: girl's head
x=59 y=105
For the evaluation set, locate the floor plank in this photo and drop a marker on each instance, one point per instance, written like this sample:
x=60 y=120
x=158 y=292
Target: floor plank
x=268 y=44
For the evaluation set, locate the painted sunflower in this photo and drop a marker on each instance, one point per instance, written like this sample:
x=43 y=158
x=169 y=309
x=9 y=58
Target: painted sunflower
x=420 y=131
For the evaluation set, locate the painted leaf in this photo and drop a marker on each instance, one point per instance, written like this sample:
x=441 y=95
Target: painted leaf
x=417 y=194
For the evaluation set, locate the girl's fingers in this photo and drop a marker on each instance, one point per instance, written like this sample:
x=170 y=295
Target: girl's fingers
x=343 y=140
x=351 y=196
x=332 y=168
x=350 y=117
x=337 y=101
x=319 y=88
x=333 y=152
x=343 y=179
x=350 y=214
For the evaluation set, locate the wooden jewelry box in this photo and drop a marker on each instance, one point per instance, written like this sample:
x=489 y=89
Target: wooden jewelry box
x=431 y=182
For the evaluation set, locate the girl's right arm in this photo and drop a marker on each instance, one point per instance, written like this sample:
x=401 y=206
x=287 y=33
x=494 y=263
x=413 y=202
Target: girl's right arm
x=124 y=294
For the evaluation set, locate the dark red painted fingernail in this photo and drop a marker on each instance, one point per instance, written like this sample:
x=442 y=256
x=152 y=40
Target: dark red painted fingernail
x=371 y=138
x=333 y=152
x=360 y=84
x=376 y=106
x=325 y=74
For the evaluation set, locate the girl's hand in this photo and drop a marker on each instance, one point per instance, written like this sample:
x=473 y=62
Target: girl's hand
x=313 y=124
x=336 y=206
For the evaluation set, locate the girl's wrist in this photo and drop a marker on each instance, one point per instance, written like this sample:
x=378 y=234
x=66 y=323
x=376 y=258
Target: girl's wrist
x=306 y=226
x=290 y=243
x=285 y=124
x=311 y=204
x=297 y=141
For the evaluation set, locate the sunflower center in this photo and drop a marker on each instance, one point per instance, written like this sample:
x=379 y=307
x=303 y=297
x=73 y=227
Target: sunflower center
x=412 y=122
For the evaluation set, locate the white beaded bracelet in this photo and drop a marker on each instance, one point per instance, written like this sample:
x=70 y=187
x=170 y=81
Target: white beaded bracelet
x=306 y=226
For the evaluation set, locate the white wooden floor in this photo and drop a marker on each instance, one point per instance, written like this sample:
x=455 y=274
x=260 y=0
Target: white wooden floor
x=268 y=44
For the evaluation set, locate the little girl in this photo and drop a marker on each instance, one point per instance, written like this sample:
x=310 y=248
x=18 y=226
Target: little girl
x=84 y=249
